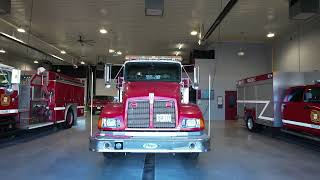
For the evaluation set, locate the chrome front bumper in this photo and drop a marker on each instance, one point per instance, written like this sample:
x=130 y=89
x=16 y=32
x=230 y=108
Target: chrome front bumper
x=150 y=142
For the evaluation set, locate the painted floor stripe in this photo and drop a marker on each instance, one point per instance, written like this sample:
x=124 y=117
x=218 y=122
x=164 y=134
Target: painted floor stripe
x=149 y=167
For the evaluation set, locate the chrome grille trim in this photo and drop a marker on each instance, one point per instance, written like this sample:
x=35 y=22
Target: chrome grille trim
x=139 y=117
x=159 y=107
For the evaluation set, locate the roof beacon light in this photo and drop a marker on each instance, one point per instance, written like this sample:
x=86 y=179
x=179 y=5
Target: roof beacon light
x=167 y=58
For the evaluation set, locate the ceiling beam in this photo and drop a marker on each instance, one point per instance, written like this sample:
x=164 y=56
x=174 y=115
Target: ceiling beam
x=219 y=19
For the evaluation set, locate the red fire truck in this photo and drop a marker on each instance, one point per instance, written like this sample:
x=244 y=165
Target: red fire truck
x=44 y=98
x=154 y=114
x=261 y=102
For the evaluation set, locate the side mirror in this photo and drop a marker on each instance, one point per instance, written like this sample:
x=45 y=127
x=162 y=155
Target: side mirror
x=15 y=77
x=107 y=75
x=196 y=77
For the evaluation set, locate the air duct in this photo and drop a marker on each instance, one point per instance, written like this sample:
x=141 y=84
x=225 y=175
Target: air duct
x=5 y=7
x=154 y=7
x=303 y=9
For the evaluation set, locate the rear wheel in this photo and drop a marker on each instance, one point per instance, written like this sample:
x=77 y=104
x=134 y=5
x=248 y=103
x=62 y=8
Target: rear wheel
x=69 y=119
x=251 y=125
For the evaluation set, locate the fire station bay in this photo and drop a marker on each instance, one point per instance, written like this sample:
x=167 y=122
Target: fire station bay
x=159 y=89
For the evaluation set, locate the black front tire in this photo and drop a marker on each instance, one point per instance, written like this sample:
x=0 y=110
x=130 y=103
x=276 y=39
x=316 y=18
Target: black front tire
x=69 y=119
x=110 y=155
x=251 y=125
x=191 y=156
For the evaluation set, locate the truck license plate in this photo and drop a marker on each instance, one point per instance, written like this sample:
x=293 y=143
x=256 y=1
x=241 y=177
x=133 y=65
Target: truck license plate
x=163 y=118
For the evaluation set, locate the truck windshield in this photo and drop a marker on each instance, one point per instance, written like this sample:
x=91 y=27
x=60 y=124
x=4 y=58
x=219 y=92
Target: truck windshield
x=5 y=77
x=312 y=95
x=152 y=71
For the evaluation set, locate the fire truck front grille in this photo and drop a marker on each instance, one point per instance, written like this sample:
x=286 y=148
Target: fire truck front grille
x=164 y=108
x=138 y=114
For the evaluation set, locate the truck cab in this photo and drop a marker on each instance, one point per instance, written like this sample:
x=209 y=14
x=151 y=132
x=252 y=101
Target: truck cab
x=301 y=109
x=153 y=114
x=9 y=80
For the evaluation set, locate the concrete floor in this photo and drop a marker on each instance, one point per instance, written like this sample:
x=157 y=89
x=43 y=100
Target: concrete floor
x=237 y=154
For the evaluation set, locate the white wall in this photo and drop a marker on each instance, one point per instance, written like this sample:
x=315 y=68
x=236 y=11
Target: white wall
x=102 y=91
x=298 y=49
x=230 y=68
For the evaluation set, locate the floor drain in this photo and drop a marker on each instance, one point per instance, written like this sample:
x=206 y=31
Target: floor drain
x=148 y=169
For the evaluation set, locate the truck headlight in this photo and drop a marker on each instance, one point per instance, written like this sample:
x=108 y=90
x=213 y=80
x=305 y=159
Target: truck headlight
x=191 y=123
x=110 y=123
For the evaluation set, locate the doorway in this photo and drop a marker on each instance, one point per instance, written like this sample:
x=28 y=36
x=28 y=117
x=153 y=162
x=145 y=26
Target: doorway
x=230 y=105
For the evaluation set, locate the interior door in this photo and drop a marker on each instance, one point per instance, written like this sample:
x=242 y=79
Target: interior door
x=230 y=105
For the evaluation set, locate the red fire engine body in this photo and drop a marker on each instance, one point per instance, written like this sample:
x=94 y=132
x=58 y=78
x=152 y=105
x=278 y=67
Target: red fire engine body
x=50 y=98
x=299 y=105
x=9 y=99
x=44 y=99
x=152 y=116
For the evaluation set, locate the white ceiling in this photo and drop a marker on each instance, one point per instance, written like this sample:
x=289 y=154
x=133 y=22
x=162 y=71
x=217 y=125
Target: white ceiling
x=59 y=22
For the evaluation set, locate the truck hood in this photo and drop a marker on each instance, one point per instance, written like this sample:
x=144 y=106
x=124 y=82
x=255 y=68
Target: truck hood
x=161 y=89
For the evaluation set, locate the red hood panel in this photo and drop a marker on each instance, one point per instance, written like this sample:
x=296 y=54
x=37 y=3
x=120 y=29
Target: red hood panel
x=162 y=89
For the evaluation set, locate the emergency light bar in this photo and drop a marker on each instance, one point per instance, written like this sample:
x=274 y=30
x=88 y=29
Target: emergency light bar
x=170 y=58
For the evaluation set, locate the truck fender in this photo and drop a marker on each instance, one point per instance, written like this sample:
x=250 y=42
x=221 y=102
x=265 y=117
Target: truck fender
x=250 y=113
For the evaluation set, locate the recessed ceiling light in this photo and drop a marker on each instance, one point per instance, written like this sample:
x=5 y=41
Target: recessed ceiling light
x=240 y=53
x=82 y=62
x=193 y=33
x=270 y=35
x=2 y=51
x=119 y=52
x=103 y=31
x=111 y=50
x=180 y=46
x=21 y=30
x=35 y=61
x=63 y=52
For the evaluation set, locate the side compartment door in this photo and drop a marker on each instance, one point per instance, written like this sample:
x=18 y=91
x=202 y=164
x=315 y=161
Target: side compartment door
x=293 y=109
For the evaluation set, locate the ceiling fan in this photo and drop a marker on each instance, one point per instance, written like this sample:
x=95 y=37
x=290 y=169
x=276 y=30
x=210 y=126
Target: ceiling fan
x=83 y=41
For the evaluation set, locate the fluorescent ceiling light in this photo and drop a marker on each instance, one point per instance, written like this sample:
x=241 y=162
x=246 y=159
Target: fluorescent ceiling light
x=177 y=53
x=103 y=31
x=35 y=61
x=12 y=37
x=82 y=62
x=2 y=51
x=193 y=33
x=270 y=35
x=63 y=52
x=180 y=46
x=111 y=50
x=57 y=57
x=199 y=41
x=21 y=30
x=119 y=52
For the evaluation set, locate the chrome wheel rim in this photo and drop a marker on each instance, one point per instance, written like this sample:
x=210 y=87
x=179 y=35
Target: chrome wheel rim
x=250 y=123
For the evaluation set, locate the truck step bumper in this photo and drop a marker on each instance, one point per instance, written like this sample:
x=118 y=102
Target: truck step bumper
x=187 y=144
